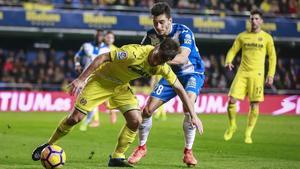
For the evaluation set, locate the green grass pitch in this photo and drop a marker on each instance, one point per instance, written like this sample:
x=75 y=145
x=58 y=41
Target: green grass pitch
x=276 y=143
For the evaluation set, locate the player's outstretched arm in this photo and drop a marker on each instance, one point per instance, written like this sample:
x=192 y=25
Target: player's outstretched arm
x=232 y=53
x=188 y=105
x=181 y=57
x=76 y=86
x=272 y=61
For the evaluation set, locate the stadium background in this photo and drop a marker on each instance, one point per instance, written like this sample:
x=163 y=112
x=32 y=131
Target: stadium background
x=38 y=40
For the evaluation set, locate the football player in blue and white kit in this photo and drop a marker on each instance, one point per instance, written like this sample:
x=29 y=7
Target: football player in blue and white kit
x=86 y=54
x=188 y=67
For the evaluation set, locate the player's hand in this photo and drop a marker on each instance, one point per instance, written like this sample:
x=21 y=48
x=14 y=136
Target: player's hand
x=78 y=68
x=76 y=86
x=229 y=66
x=196 y=122
x=269 y=81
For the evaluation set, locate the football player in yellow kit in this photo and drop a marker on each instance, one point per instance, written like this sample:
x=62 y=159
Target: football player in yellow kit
x=109 y=77
x=249 y=80
x=109 y=40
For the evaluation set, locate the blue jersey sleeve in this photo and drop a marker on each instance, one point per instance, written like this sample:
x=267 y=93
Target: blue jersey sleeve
x=80 y=53
x=186 y=39
x=146 y=40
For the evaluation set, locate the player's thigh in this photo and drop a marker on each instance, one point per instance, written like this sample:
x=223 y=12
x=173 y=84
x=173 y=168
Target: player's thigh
x=91 y=96
x=163 y=91
x=256 y=88
x=238 y=88
x=153 y=103
x=124 y=99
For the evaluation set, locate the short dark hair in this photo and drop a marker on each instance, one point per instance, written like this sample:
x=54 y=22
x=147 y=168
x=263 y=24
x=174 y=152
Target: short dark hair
x=161 y=8
x=257 y=11
x=168 y=49
x=100 y=30
x=109 y=32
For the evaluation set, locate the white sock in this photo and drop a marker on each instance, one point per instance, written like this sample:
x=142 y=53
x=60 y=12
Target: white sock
x=189 y=131
x=144 y=130
x=90 y=116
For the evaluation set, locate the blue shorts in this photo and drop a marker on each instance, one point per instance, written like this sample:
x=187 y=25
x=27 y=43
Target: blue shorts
x=191 y=82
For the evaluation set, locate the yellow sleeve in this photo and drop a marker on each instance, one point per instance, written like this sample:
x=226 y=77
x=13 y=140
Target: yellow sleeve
x=272 y=57
x=166 y=72
x=113 y=47
x=233 y=50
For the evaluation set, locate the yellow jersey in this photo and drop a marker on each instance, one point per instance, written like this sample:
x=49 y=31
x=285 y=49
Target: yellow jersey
x=131 y=62
x=112 y=47
x=254 y=48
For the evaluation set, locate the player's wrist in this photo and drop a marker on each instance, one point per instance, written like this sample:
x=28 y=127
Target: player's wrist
x=194 y=116
x=77 y=64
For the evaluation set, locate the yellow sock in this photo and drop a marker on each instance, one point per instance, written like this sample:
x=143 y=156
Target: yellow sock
x=62 y=130
x=126 y=137
x=232 y=114
x=252 y=118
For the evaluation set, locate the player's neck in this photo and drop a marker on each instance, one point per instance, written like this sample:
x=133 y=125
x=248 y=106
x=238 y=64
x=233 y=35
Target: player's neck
x=255 y=30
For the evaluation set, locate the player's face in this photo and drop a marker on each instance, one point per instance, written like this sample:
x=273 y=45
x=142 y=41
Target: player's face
x=109 y=39
x=256 y=22
x=99 y=37
x=162 y=24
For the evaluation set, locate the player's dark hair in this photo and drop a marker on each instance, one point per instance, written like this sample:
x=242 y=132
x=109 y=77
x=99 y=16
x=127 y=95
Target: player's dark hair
x=100 y=30
x=109 y=32
x=161 y=8
x=168 y=49
x=257 y=12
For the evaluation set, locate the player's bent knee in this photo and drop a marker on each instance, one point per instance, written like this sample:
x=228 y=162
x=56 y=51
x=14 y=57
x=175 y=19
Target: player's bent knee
x=136 y=123
x=133 y=119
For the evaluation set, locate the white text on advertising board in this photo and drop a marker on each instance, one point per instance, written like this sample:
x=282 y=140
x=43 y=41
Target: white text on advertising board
x=18 y=101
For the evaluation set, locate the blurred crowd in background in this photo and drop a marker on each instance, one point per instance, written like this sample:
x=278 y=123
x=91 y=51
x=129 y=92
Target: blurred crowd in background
x=291 y=7
x=49 y=69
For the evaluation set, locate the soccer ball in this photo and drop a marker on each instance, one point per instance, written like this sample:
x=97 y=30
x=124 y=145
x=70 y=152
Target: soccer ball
x=53 y=157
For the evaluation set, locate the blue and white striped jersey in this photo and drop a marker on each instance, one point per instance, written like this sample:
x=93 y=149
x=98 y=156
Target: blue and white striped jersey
x=90 y=50
x=185 y=37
